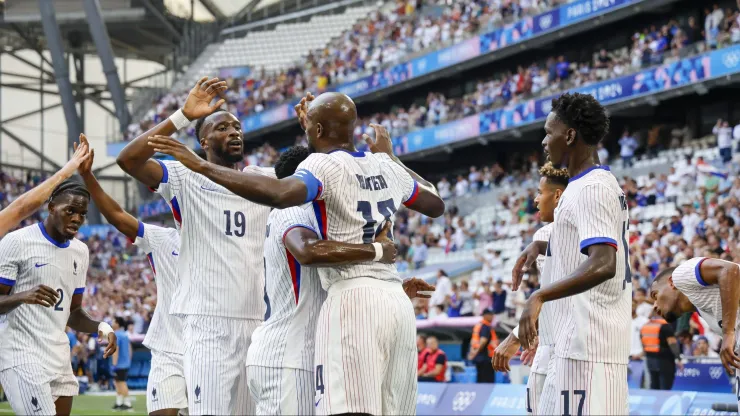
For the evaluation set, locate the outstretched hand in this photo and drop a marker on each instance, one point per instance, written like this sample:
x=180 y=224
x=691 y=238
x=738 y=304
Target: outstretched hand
x=524 y=264
x=301 y=109
x=85 y=166
x=112 y=343
x=418 y=288
x=182 y=153
x=81 y=154
x=382 y=142
x=198 y=103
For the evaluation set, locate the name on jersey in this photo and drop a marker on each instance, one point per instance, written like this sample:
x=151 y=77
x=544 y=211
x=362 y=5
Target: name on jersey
x=372 y=183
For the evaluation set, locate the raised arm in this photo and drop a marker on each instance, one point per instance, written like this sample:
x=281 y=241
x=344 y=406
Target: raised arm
x=310 y=250
x=428 y=201
x=261 y=189
x=136 y=158
x=116 y=216
x=80 y=321
x=28 y=203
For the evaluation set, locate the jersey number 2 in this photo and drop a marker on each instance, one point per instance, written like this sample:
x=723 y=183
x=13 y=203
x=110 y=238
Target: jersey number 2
x=240 y=222
x=58 y=306
x=386 y=209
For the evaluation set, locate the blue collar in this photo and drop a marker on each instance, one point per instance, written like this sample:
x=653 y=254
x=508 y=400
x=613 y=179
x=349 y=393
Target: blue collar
x=63 y=244
x=585 y=172
x=355 y=154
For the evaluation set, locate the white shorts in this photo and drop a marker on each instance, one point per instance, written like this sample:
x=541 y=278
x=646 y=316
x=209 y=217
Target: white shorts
x=281 y=391
x=32 y=390
x=576 y=387
x=166 y=386
x=366 y=350
x=537 y=376
x=215 y=364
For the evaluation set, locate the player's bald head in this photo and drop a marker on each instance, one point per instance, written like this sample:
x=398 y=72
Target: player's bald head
x=331 y=119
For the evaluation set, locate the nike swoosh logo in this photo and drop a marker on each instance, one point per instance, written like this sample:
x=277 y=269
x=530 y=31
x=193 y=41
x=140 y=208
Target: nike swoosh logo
x=210 y=189
x=317 y=402
x=41 y=264
x=174 y=253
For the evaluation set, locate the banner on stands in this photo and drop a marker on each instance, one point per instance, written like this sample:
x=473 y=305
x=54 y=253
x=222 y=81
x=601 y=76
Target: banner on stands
x=234 y=72
x=471 y=48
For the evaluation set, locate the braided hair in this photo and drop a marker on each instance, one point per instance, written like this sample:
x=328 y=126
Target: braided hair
x=71 y=187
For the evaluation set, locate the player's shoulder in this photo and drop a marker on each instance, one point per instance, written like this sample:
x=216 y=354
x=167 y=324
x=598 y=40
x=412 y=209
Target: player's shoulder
x=152 y=230
x=291 y=216
x=258 y=170
x=688 y=271
x=600 y=179
x=79 y=246
x=543 y=234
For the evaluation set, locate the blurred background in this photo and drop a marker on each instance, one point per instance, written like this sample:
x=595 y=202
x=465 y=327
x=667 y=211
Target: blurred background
x=463 y=86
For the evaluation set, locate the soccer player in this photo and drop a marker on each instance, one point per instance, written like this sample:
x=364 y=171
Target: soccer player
x=552 y=184
x=365 y=355
x=280 y=359
x=43 y=270
x=710 y=287
x=121 y=365
x=220 y=267
x=166 y=389
x=31 y=201
x=590 y=287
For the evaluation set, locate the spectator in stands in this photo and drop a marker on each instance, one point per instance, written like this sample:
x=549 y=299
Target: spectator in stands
x=628 y=146
x=482 y=345
x=499 y=298
x=462 y=187
x=636 y=351
x=466 y=299
x=603 y=154
x=443 y=187
x=443 y=289
x=420 y=253
x=644 y=308
x=419 y=312
x=435 y=362
x=440 y=311
x=701 y=349
x=662 y=352
x=421 y=350
x=723 y=132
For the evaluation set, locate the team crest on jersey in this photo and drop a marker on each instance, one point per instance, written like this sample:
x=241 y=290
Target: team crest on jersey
x=75 y=267
x=35 y=404
x=197 y=394
x=154 y=395
x=267 y=234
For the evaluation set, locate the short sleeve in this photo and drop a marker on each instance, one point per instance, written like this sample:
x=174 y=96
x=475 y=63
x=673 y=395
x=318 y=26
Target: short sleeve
x=291 y=218
x=319 y=172
x=485 y=332
x=596 y=217
x=441 y=359
x=173 y=176
x=10 y=259
x=408 y=185
x=687 y=277
x=149 y=237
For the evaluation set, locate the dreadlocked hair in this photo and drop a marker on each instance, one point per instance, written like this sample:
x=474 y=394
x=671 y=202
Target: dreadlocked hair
x=69 y=186
x=583 y=113
x=554 y=175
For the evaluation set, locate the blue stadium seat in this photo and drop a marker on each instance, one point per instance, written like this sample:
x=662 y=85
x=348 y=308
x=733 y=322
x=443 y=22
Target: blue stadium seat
x=135 y=370
x=146 y=366
x=467 y=376
x=502 y=378
x=452 y=351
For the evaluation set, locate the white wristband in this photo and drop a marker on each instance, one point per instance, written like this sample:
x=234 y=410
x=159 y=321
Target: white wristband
x=378 y=251
x=179 y=120
x=105 y=329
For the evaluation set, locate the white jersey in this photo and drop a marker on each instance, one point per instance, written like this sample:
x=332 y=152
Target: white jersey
x=545 y=325
x=352 y=195
x=222 y=240
x=706 y=298
x=162 y=248
x=33 y=333
x=593 y=325
x=293 y=295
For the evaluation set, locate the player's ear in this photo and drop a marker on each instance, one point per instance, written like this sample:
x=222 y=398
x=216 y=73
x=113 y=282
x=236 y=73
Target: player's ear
x=570 y=136
x=558 y=194
x=319 y=130
x=670 y=282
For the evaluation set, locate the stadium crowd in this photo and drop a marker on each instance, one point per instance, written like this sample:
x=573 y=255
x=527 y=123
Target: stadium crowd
x=386 y=37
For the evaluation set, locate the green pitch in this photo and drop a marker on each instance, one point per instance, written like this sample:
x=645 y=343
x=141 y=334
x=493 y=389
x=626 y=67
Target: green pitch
x=89 y=404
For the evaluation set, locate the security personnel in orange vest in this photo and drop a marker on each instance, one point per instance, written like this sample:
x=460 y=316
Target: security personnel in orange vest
x=482 y=345
x=661 y=352
x=435 y=362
